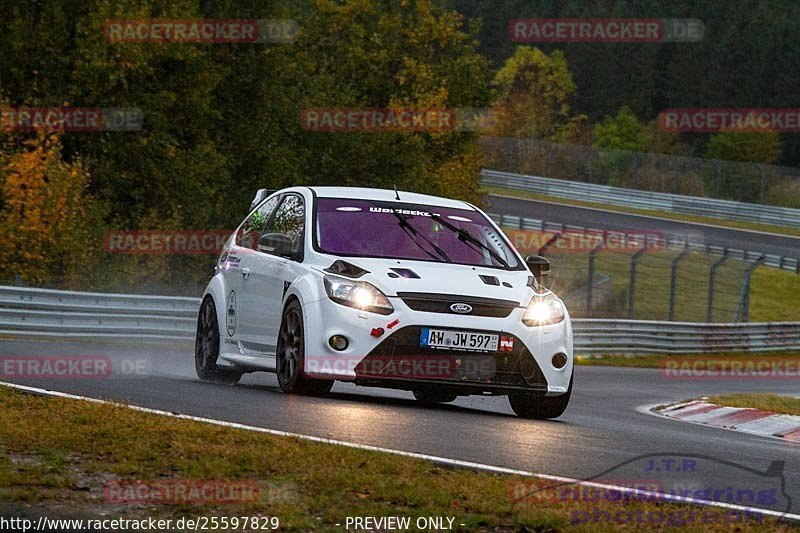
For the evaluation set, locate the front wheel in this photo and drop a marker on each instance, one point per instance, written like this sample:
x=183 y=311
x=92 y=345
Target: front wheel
x=291 y=355
x=206 y=348
x=527 y=405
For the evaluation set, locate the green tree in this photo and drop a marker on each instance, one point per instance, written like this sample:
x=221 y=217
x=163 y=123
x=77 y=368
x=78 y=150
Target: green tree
x=621 y=132
x=753 y=146
x=625 y=131
x=534 y=90
x=741 y=181
x=371 y=54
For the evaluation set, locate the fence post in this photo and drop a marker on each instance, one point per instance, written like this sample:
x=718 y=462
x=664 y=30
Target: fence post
x=744 y=299
x=712 y=274
x=590 y=284
x=673 y=278
x=632 y=286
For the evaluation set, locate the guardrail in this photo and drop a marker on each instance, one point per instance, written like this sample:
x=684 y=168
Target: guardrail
x=45 y=313
x=33 y=312
x=643 y=337
x=660 y=201
x=674 y=241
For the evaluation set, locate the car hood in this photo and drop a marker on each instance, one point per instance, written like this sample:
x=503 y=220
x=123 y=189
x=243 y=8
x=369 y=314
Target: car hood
x=394 y=276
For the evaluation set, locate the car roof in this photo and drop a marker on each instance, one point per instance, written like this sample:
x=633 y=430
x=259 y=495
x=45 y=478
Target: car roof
x=388 y=195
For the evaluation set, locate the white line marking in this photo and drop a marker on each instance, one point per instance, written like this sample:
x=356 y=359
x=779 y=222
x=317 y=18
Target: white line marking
x=415 y=455
x=665 y=219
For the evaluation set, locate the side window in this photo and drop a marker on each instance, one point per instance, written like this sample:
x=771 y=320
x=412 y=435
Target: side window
x=247 y=236
x=283 y=233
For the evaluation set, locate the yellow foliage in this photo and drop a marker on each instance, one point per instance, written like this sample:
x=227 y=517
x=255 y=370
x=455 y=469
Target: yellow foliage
x=49 y=224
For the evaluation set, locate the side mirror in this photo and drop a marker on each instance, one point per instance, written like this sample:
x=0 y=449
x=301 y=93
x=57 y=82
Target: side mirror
x=276 y=244
x=260 y=195
x=539 y=266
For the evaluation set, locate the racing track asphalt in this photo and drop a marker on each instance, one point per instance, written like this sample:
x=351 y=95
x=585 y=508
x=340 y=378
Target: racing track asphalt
x=601 y=428
x=595 y=218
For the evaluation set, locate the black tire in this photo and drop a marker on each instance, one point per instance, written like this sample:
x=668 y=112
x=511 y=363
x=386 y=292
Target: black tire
x=428 y=397
x=206 y=348
x=527 y=405
x=290 y=355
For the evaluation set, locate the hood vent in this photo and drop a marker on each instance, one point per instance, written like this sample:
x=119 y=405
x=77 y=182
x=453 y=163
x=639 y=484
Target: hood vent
x=348 y=270
x=490 y=280
x=405 y=273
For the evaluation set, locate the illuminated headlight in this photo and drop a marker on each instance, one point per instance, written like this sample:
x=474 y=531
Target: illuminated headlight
x=358 y=294
x=541 y=312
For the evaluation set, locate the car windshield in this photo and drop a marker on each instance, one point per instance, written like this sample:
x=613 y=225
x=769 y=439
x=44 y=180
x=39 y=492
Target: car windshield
x=394 y=230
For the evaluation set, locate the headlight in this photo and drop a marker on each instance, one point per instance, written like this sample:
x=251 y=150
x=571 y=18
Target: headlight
x=358 y=294
x=541 y=312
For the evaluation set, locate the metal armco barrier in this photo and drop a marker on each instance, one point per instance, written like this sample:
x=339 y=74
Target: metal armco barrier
x=44 y=313
x=593 y=335
x=51 y=313
x=659 y=201
x=673 y=241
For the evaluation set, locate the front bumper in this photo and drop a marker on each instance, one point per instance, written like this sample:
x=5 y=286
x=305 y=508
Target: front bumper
x=395 y=359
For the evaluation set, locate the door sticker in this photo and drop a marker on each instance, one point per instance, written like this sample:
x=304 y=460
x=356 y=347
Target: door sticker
x=230 y=314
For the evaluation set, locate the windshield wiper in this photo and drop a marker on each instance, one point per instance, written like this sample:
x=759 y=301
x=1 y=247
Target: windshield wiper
x=412 y=232
x=466 y=237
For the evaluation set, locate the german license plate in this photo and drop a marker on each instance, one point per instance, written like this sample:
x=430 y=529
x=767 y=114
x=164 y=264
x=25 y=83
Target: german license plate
x=458 y=340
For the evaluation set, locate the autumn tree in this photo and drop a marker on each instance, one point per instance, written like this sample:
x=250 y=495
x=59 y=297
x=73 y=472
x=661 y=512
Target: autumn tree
x=49 y=224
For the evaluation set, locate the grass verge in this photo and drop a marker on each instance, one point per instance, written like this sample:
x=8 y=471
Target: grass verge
x=59 y=453
x=787 y=405
x=735 y=224
x=656 y=360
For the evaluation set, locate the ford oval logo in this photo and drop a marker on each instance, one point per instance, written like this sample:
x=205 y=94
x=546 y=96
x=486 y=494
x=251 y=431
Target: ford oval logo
x=461 y=309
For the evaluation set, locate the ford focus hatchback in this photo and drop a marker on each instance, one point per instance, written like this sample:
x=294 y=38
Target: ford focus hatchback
x=385 y=289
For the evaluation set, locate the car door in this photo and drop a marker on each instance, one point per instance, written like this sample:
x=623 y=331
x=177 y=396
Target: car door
x=234 y=267
x=279 y=249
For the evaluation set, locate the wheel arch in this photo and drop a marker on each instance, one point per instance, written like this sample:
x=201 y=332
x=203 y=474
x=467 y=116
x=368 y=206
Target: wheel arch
x=216 y=291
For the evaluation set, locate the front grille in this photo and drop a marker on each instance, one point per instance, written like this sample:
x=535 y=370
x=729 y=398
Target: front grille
x=440 y=303
x=400 y=357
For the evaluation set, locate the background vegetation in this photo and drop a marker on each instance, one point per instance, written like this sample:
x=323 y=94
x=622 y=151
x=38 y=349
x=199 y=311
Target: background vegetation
x=222 y=120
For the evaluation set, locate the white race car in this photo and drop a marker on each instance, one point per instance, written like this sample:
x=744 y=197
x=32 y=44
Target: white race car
x=388 y=289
